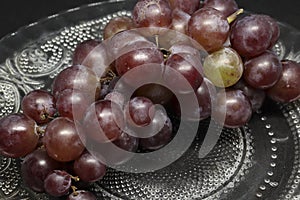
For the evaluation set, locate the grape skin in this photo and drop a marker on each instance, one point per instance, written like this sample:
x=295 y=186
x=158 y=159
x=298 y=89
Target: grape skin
x=180 y=21
x=223 y=68
x=62 y=141
x=76 y=77
x=18 y=135
x=139 y=111
x=188 y=7
x=227 y=7
x=117 y=25
x=103 y=121
x=35 y=168
x=89 y=168
x=187 y=71
x=251 y=36
x=152 y=13
x=160 y=139
x=39 y=105
x=263 y=71
x=58 y=183
x=235 y=106
x=209 y=28
x=256 y=96
x=287 y=88
x=72 y=103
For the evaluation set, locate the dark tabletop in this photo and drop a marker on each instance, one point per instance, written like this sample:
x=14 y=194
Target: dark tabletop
x=17 y=13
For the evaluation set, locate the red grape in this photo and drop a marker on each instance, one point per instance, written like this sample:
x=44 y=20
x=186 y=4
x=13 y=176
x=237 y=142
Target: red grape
x=287 y=88
x=227 y=7
x=256 y=96
x=39 y=105
x=116 y=97
x=127 y=142
x=121 y=41
x=157 y=93
x=18 y=135
x=116 y=25
x=58 y=183
x=35 y=168
x=62 y=141
x=139 y=55
x=235 y=106
x=160 y=139
x=187 y=70
x=275 y=30
x=152 y=13
x=263 y=71
x=209 y=28
x=83 y=49
x=180 y=21
x=88 y=168
x=104 y=121
x=140 y=111
x=186 y=6
x=76 y=77
x=72 y=103
x=92 y=54
x=251 y=35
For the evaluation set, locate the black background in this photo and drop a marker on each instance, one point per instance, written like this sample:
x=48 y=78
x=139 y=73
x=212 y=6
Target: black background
x=17 y=13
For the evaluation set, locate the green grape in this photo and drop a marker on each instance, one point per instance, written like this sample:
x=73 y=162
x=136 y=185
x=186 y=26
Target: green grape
x=224 y=67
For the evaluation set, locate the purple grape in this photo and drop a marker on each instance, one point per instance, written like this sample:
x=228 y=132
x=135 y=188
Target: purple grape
x=72 y=103
x=227 y=7
x=256 y=96
x=88 y=168
x=205 y=94
x=127 y=142
x=160 y=139
x=39 y=105
x=35 y=168
x=188 y=7
x=139 y=112
x=116 y=25
x=287 y=88
x=187 y=70
x=58 y=183
x=235 y=106
x=209 y=28
x=180 y=21
x=152 y=13
x=104 y=121
x=18 y=135
x=275 y=30
x=116 y=97
x=62 y=141
x=76 y=77
x=251 y=35
x=157 y=93
x=263 y=71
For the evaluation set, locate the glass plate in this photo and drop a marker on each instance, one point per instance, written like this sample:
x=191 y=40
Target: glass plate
x=258 y=161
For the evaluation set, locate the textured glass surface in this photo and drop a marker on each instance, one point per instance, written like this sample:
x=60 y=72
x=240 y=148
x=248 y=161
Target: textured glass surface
x=258 y=161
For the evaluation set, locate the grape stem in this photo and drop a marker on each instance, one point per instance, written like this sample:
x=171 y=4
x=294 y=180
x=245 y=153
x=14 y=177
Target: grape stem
x=109 y=76
x=75 y=178
x=74 y=190
x=233 y=16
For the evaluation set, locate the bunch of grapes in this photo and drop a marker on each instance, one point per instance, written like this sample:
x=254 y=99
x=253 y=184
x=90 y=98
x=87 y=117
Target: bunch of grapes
x=114 y=89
